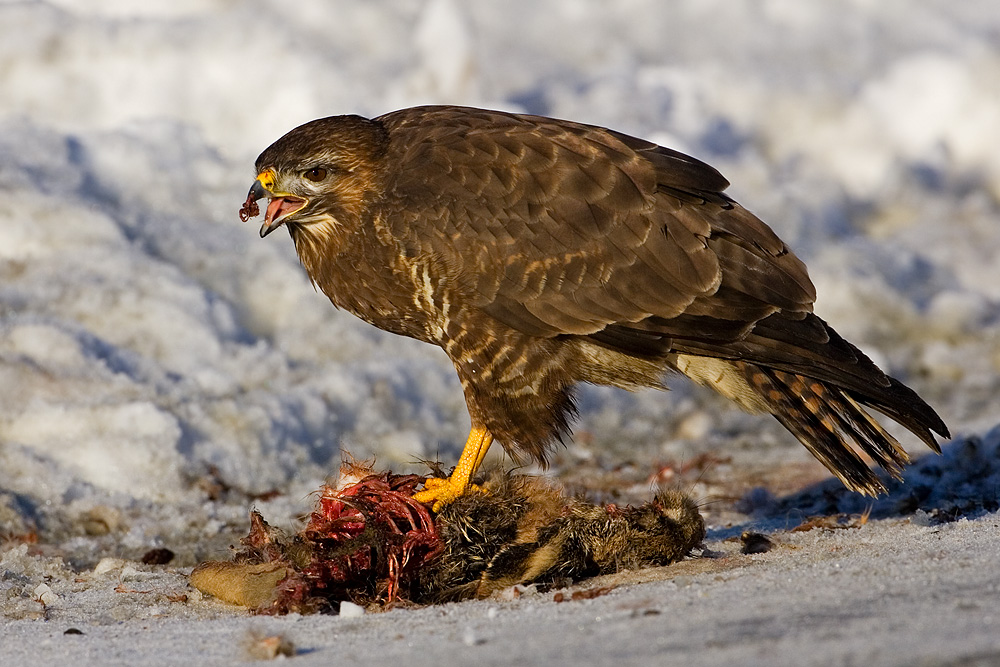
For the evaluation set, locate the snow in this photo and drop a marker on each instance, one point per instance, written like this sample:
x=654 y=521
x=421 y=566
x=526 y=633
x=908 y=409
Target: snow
x=161 y=364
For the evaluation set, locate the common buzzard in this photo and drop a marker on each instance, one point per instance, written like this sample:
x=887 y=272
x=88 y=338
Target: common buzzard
x=539 y=253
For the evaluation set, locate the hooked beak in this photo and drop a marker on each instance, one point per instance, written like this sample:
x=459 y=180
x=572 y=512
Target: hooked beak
x=279 y=207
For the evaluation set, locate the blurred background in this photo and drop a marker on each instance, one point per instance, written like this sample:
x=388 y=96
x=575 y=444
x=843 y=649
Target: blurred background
x=161 y=366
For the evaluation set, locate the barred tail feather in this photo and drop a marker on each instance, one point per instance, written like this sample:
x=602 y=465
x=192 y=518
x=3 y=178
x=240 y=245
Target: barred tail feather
x=830 y=422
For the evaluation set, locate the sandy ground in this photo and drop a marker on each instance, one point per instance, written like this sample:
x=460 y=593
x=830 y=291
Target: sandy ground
x=911 y=579
x=891 y=592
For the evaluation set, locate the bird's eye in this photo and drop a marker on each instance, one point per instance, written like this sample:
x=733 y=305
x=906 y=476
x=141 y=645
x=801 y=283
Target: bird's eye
x=316 y=174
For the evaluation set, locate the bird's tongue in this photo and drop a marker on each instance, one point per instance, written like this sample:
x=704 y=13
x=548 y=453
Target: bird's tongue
x=280 y=206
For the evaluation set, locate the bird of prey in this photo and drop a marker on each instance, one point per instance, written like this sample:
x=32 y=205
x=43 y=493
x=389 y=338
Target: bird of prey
x=541 y=253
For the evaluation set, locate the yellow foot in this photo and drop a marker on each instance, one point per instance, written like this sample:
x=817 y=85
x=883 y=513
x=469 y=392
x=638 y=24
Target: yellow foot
x=440 y=492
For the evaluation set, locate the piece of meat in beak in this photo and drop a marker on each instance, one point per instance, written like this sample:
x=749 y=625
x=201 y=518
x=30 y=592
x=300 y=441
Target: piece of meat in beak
x=280 y=205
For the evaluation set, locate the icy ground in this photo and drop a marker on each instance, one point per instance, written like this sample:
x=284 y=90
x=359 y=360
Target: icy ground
x=162 y=368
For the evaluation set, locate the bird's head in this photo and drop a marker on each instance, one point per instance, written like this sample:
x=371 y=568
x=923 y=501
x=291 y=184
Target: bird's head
x=319 y=176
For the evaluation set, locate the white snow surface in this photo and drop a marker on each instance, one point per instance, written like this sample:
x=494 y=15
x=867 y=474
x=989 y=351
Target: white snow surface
x=152 y=346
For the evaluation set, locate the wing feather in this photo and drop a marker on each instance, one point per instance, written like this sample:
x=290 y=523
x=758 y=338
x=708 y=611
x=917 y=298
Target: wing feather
x=553 y=227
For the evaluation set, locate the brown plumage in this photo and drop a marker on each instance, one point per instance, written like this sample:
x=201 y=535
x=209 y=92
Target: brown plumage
x=540 y=253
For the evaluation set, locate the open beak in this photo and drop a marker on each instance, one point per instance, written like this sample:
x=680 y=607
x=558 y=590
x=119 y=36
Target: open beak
x=279 y=207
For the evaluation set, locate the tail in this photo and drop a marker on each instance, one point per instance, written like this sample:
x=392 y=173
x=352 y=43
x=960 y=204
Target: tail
x=830 y=421
x=815 y=383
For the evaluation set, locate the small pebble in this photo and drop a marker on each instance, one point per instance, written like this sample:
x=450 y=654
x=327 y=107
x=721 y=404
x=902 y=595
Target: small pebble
x=262 y=646
x=351 y=610
x=158 y=556
x=106 y=565
x=755 y=543
x=45 y=595
x=469 y=638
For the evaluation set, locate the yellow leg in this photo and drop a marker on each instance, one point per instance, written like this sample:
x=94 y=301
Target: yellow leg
x=442 y=492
